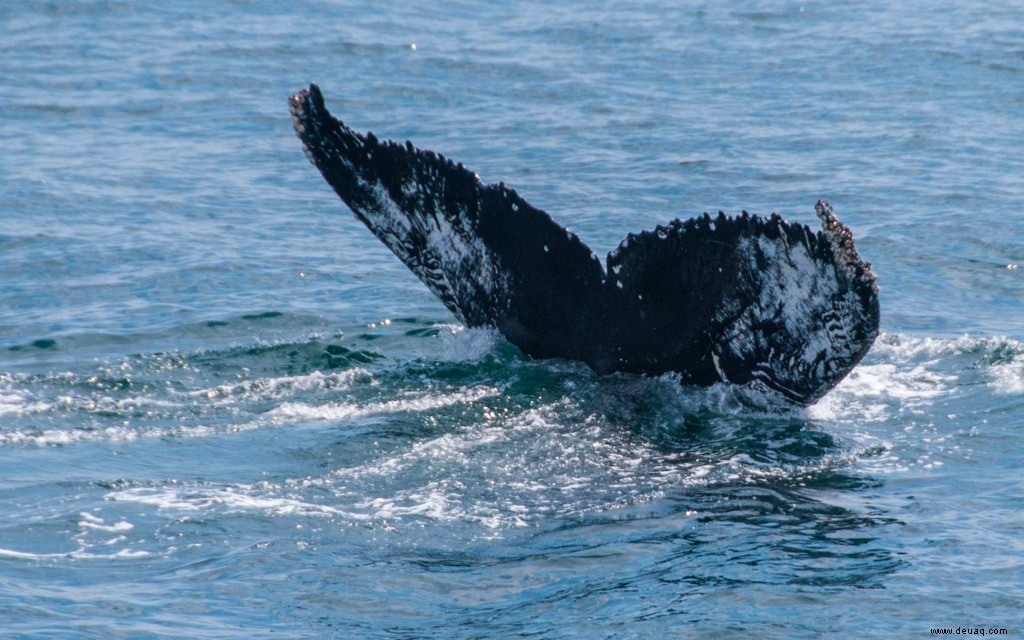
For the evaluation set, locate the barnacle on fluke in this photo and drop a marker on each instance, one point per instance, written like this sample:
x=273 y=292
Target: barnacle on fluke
x=741 y=299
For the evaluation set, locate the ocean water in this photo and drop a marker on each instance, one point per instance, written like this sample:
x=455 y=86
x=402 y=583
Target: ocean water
x=227 y=411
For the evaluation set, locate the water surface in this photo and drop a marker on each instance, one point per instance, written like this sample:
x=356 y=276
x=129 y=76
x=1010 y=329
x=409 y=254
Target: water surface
x=227 y=411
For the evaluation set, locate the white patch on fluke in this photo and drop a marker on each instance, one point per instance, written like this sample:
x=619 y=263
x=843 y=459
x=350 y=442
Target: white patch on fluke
x=718 y=366
x=797 y=292
x=446 y=256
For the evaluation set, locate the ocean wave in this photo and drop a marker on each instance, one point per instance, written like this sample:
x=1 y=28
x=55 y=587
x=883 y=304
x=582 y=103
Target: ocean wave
x=910 y=373
x=226 y=499
x=272 y=388
x=93 y=536
x=415 y=402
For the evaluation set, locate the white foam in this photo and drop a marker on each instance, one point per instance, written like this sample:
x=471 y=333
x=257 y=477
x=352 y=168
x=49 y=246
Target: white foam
x=77 y=554
x=123 y=433
x=272 y=388
x=892 y=381
x=871 y=393
x=526 y=465
x=94 y=523
x=911 y=373
x=287 y=411
x=22 y=555
x=89 y=526
x=231 y=499
x=338 y=411
x=17 y=403
x=430 y=502
x=901 y=348
x=1007 y=379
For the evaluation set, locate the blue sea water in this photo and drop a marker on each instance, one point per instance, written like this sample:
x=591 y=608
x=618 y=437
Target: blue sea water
x=227 y=411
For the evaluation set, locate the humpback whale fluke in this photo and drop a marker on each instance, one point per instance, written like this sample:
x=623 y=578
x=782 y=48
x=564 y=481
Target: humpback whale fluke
x=742 y=299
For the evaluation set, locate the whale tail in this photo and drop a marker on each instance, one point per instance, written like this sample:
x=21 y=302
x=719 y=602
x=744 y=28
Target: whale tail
x=745 y=300
x=487 y=254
